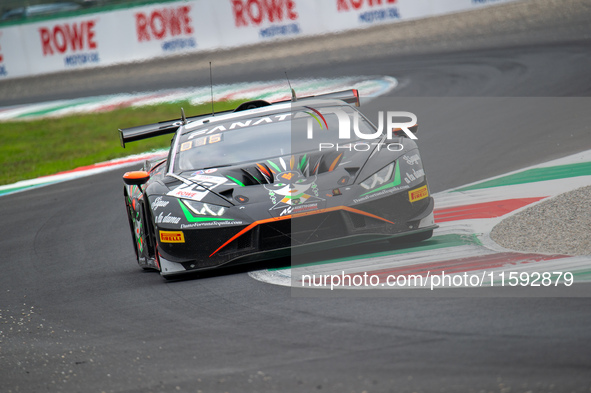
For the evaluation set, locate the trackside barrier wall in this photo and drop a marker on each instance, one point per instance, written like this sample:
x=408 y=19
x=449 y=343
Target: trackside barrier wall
x=172 y=28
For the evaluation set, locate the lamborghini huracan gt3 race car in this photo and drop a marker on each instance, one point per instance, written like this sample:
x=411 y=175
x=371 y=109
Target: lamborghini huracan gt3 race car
x=267 y=179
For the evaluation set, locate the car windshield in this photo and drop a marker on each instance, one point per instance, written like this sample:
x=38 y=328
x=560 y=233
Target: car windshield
x=263 y=137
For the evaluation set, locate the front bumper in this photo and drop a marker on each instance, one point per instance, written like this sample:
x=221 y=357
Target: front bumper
x=205 y=249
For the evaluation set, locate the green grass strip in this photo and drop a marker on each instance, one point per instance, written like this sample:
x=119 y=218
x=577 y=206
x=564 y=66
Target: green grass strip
x=535 y=175
x=35 y=148
x=437 y=242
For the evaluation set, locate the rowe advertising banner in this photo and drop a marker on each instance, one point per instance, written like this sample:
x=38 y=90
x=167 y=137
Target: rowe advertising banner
x=172 y=28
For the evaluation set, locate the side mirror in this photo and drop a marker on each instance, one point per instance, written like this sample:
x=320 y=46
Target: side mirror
x=136 y=178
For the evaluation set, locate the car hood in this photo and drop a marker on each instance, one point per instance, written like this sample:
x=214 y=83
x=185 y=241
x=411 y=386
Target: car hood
x=282 y=185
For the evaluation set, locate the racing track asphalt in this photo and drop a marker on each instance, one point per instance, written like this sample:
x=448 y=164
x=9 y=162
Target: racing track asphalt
x=78 y=315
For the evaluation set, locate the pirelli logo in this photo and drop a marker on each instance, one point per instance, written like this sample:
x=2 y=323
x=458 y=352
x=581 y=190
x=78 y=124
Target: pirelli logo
x=418 y=194
x=172 y=237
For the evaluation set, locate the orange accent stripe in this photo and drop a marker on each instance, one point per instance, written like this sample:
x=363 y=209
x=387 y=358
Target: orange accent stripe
x=316 y=167
x=264 y=170
x=334 y=163
x=274 y=219
x=291 y=162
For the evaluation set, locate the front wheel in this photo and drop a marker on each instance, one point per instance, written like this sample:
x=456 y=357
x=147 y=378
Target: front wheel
x=131 y=219
x=139 y=234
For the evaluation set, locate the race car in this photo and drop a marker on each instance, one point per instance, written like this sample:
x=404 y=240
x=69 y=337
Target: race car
x=269 y=179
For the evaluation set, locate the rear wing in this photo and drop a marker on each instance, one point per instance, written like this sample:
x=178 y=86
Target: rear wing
x=137 y=133
x=148 y=131
x=349 y=96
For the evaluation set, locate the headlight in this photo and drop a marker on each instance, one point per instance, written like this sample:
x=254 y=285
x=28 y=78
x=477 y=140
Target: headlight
x=204 y=209
x=379 y=178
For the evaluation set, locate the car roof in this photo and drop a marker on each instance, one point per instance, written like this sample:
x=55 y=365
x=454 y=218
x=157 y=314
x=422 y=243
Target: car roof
x=269 y=110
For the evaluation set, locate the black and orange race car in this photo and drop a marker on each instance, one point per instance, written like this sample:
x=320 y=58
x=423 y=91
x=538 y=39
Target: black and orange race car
x=267 y=179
